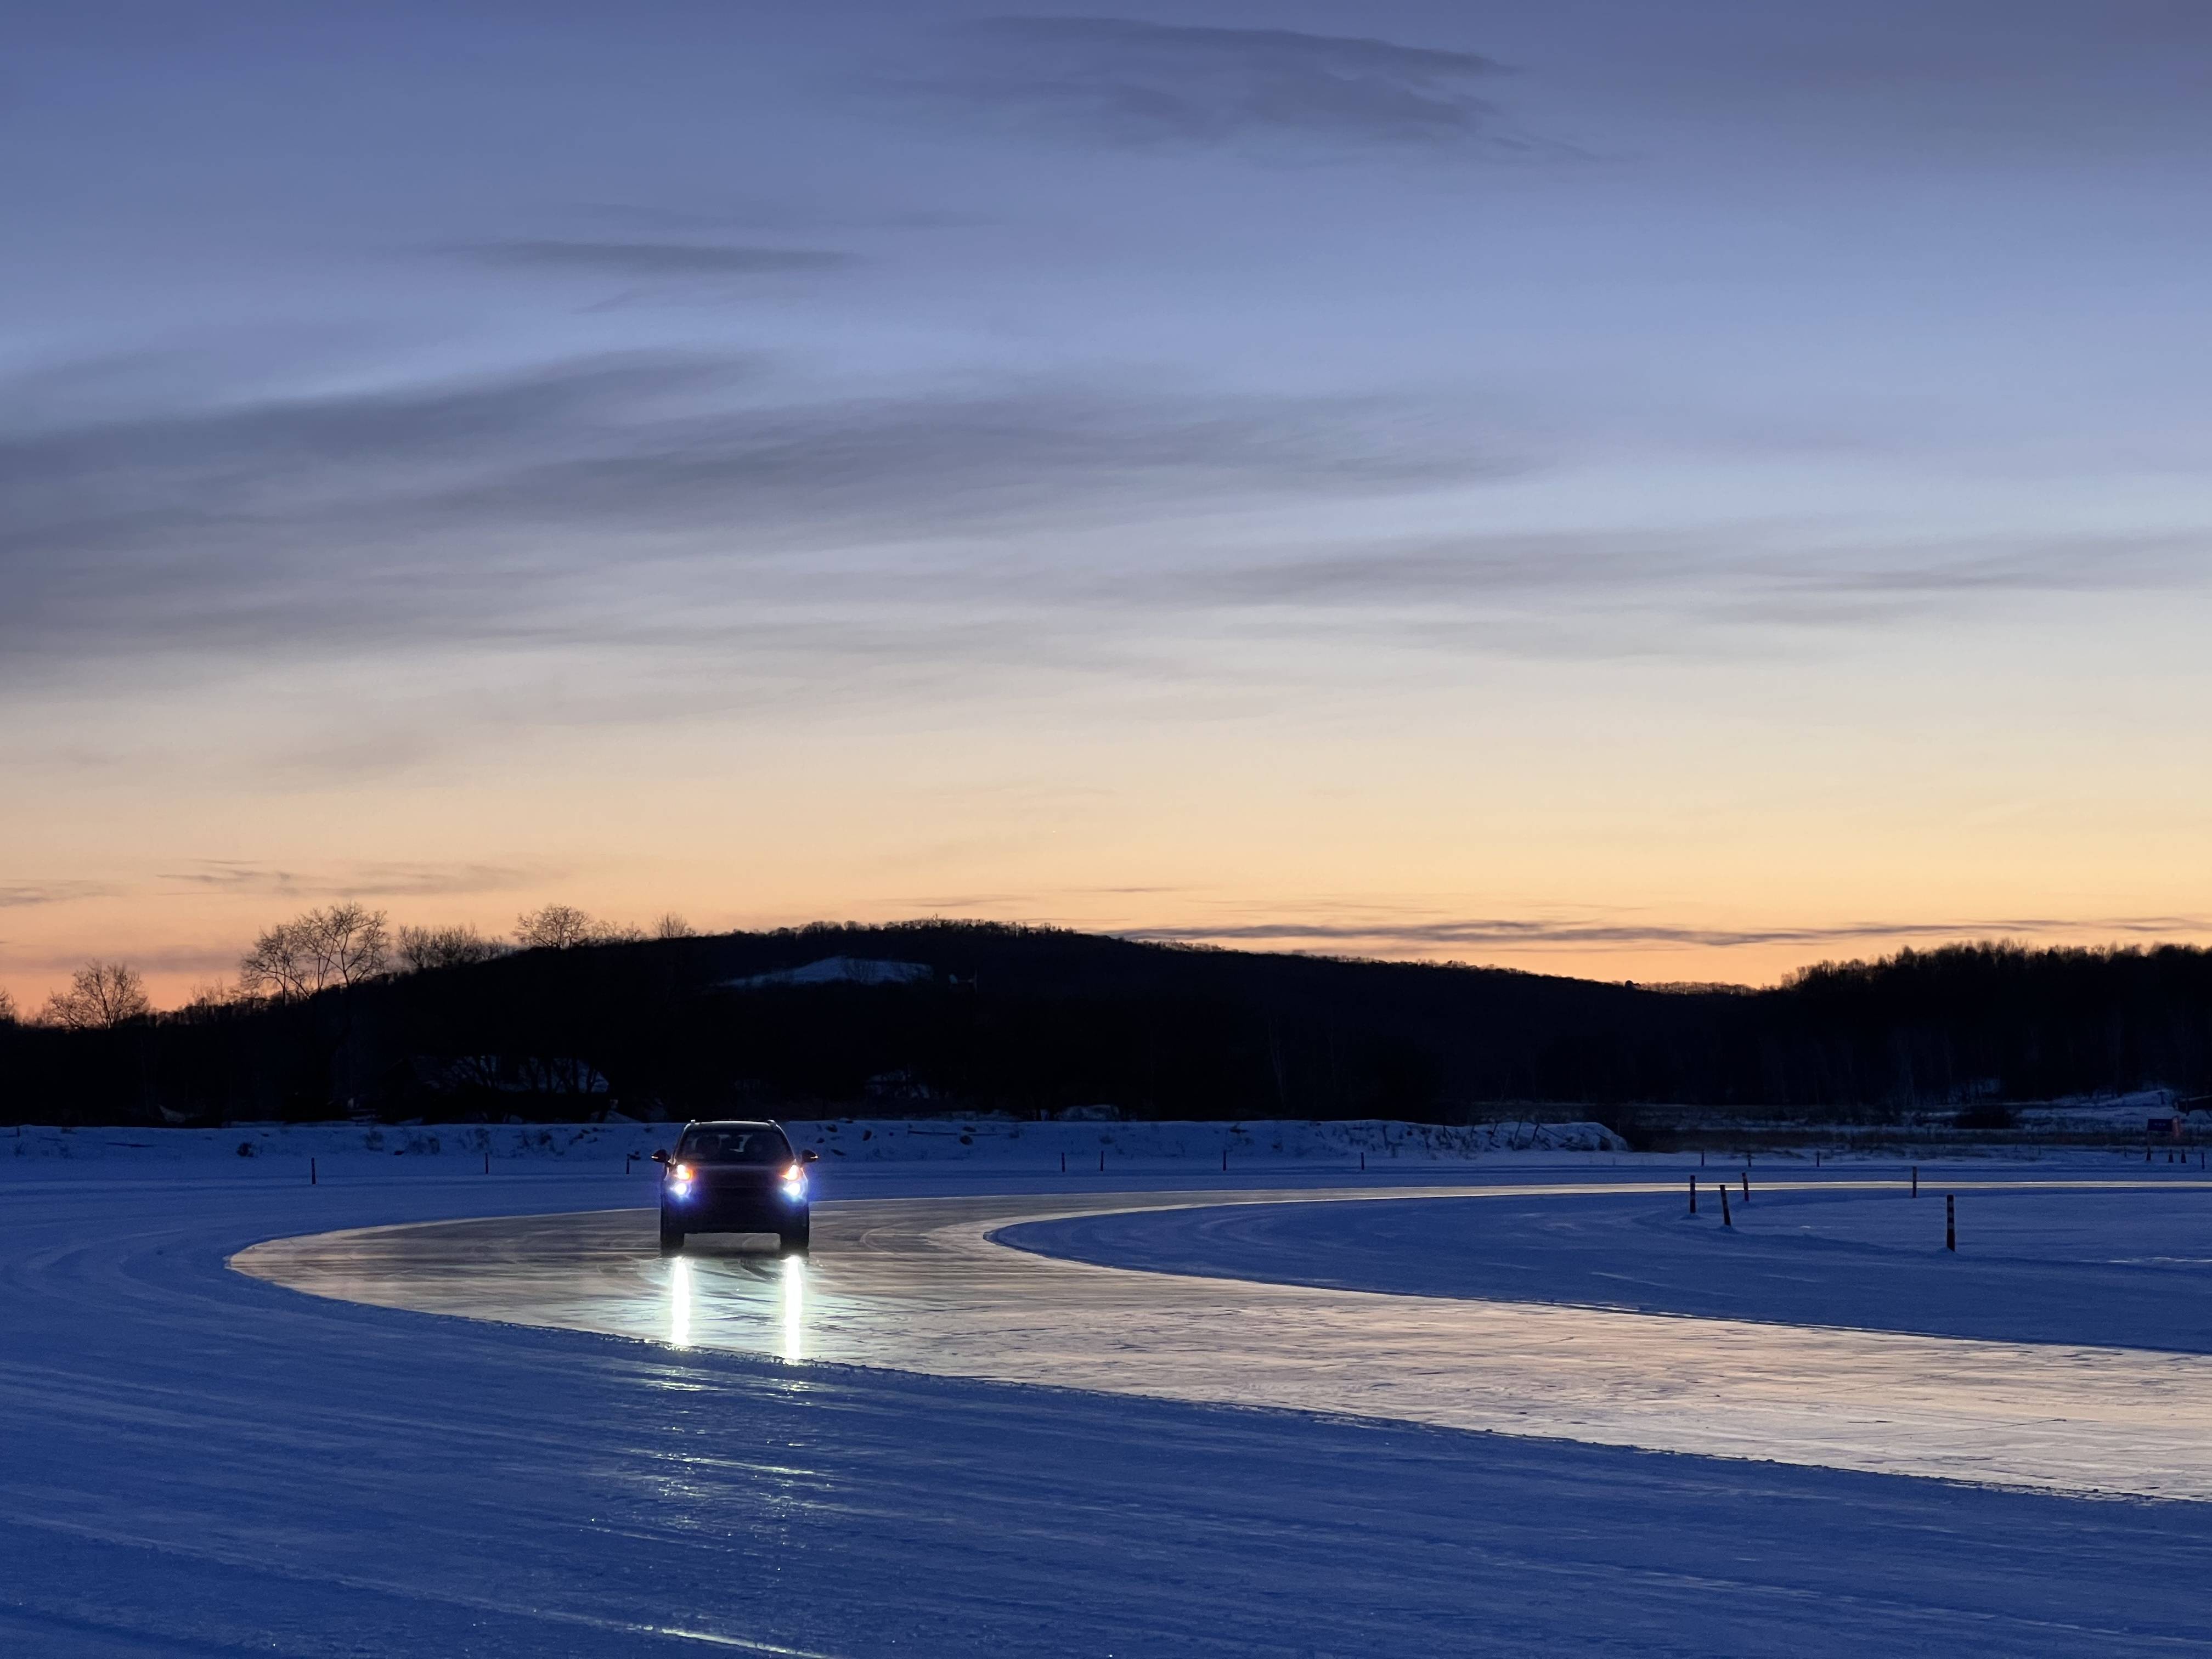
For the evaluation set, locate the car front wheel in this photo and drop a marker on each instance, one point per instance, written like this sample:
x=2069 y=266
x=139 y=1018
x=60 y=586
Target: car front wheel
x=671 y=1237
x=796 y=1235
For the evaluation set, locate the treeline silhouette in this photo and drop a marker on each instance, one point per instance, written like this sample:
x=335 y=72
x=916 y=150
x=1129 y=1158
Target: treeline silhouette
x=1027 y=1019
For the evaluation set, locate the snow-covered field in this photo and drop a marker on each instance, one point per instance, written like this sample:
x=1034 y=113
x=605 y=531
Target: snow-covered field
x=1008 y=1142
x=200 y=1463
x=2115 y=1255
x=2127 y=1113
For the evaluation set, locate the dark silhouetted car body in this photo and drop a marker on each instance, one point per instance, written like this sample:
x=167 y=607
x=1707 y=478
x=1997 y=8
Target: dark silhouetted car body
x=735 y=1176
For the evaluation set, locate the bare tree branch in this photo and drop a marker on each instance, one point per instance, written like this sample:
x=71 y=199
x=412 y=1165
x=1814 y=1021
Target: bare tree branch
x=340 y=946
x=101 y=995
x=558 y=928
x=421 y=948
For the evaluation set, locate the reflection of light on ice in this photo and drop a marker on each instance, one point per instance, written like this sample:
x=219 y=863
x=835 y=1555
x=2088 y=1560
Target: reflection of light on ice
x=919 y=1284
x=679 y=1303
x=794 y=1306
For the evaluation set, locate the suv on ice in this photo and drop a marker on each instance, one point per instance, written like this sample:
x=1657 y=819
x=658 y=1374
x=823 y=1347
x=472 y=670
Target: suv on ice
x=734 y=1177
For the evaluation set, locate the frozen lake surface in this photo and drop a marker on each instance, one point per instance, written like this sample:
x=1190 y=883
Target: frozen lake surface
x=203 y=1462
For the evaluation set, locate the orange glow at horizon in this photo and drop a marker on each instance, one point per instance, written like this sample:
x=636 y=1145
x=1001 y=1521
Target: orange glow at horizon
x=1616 y=822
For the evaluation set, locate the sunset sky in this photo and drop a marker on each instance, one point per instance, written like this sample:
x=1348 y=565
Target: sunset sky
x=1655 y=492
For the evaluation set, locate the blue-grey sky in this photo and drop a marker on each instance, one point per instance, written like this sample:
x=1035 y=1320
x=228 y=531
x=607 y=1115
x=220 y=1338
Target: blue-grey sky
x=1662 y=491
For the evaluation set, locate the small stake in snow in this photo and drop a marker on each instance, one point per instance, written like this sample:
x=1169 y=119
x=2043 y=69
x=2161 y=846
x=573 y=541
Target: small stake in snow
x=486 y=1163
x=1693 y=1195
x=1363 y=1164
x=1102 y=1160
x=1063 y=1163
x=1746 y=1186
x=311 y=1172
x=1726 y=1220
x=1950 y=1222
x=1915 y=1181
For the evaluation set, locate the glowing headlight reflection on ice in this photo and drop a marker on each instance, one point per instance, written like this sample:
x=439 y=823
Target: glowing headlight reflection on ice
x=679 y=1302
x=795 y=1307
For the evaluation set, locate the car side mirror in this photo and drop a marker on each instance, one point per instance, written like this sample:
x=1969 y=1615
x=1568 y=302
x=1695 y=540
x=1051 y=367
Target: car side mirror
x=810 y=1156
x=660 y=1157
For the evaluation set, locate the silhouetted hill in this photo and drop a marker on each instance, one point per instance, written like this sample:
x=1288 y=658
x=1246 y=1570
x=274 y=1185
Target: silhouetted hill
x=1026 y=1019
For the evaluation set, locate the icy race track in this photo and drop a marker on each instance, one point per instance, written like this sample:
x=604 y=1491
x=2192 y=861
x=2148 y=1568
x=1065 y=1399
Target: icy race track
x=922 y=1284
x=1705 y=1444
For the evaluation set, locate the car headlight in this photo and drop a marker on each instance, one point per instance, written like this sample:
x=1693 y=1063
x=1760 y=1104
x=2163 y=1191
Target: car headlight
x=794 y=1183
x=679 y=1181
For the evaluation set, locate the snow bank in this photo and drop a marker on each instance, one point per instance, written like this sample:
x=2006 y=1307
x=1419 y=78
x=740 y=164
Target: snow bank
x=982 y=1140
x=997 y=1139
x=2125 y=1112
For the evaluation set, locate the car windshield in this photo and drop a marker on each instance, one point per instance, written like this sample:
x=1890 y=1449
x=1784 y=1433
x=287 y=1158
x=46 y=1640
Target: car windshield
x=734 y=1147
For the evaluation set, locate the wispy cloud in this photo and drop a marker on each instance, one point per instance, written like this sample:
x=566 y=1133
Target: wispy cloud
x=1752 y=573
x=364 y=880
x=722 y=507
x=215 y=961
x=651 y=261
x=21 y=895
x=1117 y=80
x=462 y=508
x=1502 y=932
x=805 y=215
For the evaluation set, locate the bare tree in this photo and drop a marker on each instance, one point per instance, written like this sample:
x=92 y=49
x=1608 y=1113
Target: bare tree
x=207 y=1000
x=341 y=945
x=423 y=948
x=101 y=995
x=7 y=1014
x=671 y=926
x=555 y=927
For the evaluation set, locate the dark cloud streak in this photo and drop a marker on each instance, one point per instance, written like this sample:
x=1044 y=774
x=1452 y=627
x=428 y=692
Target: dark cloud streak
x=366 y=880
x=508 y=507
x=461 y=509
x=494 y=508
x=22 y=894
x=1755 y=574
x=1500 y=932
x=654 y=261
x=1119 y=81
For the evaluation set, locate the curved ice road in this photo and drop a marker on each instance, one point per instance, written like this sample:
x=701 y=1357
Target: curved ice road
x=918 y=1284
